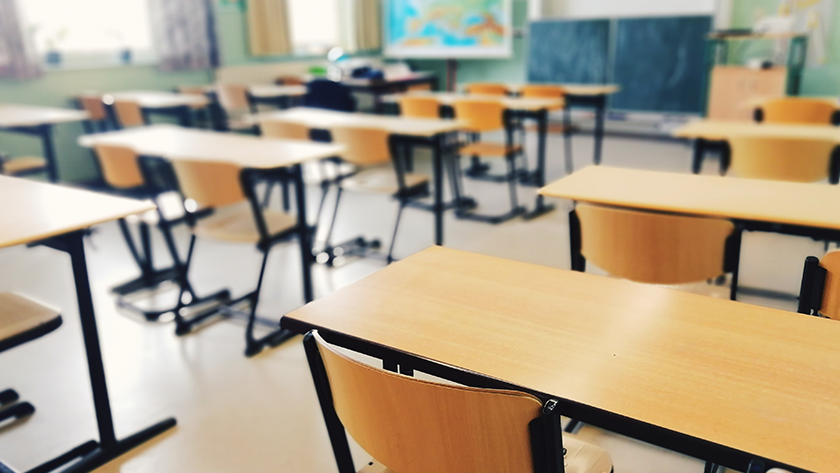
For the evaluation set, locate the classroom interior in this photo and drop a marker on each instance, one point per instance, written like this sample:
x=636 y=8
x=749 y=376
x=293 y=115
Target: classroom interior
x=403 y=178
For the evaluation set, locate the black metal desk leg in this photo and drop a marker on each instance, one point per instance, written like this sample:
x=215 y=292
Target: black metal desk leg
x=599 y=127
x=578 y=261
x=699 y=154
x=437 y=163
x=567 y=138
x=49 y=151
x=91 y=454
x=540 y=207
x=185 y=117
x=736 y=261
x=305 y=241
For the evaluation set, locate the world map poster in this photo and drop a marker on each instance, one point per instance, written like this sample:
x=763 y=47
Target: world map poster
x=448 y=28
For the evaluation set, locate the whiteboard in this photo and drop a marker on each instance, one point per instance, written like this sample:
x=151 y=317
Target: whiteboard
x=449 y=29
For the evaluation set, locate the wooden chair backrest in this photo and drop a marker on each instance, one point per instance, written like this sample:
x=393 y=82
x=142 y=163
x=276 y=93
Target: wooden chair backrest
x=364 y=146
x=543 y=91
x=210 y=184
x=487 y=88
x=232 y=97
x=831 y=294
x=415 y=426
x=198 y=90
x=420 y=107
x=780 y=159
x=651 y=247
x=129 y=113
x=480 y=115
x=119 y=166
x=798 y=110
x=94 y=106
x=288 y=80
x=289 y=131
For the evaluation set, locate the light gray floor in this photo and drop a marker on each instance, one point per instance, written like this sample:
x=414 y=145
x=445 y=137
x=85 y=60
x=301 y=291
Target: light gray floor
x=260 y=414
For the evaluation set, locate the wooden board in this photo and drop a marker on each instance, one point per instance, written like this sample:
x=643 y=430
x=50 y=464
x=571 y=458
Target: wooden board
x=33 y=211
x=792 y=203
x=510 y=103
x=732 y=85
x=190 y=144
x=758 y=380
x=719 y=130
x=154 y=99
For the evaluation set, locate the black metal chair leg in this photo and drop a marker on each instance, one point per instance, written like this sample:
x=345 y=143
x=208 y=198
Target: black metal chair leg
x=8 y=396
x=328 y=239
x=394 y=237
x=710 y=468
x=252 y=345
x=512 y=178
x=17 y=411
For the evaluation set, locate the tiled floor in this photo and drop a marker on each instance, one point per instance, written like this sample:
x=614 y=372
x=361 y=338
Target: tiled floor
x=260 y=414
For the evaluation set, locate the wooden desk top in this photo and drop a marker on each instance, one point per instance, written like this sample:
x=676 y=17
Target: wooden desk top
x=759 y=380
x=325 y=119
x=792 y=203
x=155 y=99
x=190 y=144
x=272 y=91
x=28 y=115
x=33 y=211
x=720 y=130
x=756 y=102
x=576 y=89
x=510 y=103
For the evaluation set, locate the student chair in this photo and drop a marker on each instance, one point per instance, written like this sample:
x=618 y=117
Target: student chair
x=485 y=116
x=419 y=107
x=331 y=95
x=97 y=113
x=203 y=114
x=819 y=293
x=486 y=88
x=414 y=426
x=237 y=218
x=22 y=166
x=797 y=110
x=379 y=169
x=654 y=248
x=235 y=102
x=129 y=113
x=547 y=91
x=120 y=168
x=783 y=159
x=21 y=320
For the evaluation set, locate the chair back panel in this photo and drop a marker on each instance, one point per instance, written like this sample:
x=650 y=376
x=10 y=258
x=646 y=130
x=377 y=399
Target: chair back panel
x=120 y=167
x=198 y=90
x=481 y=88
x=831 y=294
x=798 y=110
x=364 y=146
x=480 y=115
x=543 y=91
x=653 y=248
x=420 y=107
x=780 y=159
x=94 y=106
x=233 y=97
x=288 y=80
x=129 y=113
x=415 y=426
x=210 y=184
x=289 y=131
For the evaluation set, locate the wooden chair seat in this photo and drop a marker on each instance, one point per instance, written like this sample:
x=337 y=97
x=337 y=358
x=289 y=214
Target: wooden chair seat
x=382 y=180
x=235 y=223
x=23 y=164
x=490 y=150
x=22 y=319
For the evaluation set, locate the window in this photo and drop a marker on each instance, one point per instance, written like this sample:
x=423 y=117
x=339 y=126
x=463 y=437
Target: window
x=89 y=31
x=314 y=26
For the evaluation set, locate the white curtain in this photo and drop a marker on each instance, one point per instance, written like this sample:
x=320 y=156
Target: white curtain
x=268 y=27
x=368 y=24
x=184 y=34
x=17 y=56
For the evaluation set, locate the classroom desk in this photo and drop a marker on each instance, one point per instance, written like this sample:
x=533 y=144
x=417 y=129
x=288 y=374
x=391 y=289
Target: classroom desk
x=57 y=217
x=411 y=131
x=715 y=379
x=533 y=108
x=176 y=143
x=39 y=121
x=165 y=103
x=791 y=208
x=389 y=85
x=276 y=95
x=712 y=134
x=582 y=95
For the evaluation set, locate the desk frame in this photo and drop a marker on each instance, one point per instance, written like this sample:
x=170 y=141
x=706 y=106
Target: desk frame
x=45 y=132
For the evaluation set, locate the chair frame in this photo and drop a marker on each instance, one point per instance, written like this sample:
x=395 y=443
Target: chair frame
x=731 y=257
x=545 y=430
x=812 y=289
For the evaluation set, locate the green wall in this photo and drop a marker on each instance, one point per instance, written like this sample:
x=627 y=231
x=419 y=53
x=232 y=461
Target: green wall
x=819 y=80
